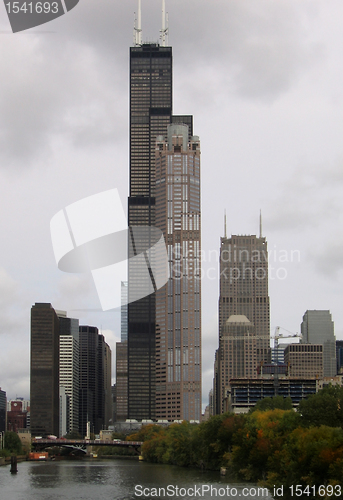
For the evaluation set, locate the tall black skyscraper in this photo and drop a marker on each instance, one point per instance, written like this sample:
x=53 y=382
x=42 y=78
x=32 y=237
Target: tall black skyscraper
x=94 y=380
x=44 y=382
x=3 y=410
x=150 y=115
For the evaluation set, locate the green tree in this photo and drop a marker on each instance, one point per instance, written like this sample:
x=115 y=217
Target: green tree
x=272 y=404
x=145 y=432
x=323 y=408
x=118 y=435
x=13 y=443
x=215 y=438
x=258 y=443
x=310 y=457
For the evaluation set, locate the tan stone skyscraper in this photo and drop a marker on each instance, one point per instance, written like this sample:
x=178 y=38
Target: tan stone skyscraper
x=178 y=309
x=244 y=284
x=243 y=293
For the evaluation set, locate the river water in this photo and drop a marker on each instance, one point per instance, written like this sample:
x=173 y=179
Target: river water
x=117 y=480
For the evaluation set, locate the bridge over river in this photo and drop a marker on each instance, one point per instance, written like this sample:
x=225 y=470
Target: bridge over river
x=83 y=444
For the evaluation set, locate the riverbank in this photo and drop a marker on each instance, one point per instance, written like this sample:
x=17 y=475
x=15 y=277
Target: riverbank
x=7 y=460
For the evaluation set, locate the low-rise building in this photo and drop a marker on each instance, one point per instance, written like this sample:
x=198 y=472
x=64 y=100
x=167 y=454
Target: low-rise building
x=243 y=394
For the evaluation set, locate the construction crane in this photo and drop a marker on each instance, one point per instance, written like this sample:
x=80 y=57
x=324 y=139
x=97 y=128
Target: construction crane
x=276 y=337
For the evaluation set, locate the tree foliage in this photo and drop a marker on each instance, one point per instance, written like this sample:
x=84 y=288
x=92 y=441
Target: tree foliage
x=323 y=408
x=145 y=432
x=277 y=446
x=13 y=443
x=272 y=404
x=258 y=442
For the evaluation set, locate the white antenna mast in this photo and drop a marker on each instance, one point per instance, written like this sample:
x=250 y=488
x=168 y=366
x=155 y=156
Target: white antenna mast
x=137 y=32
x=225 y=234
x=260 y=224
x=164 y=30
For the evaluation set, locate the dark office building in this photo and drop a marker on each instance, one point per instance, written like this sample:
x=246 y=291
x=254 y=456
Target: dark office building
x=339 y=355
x=3 y=410
x=121 y=381
x=150 y=114
x=93 y=376
x=44 y=385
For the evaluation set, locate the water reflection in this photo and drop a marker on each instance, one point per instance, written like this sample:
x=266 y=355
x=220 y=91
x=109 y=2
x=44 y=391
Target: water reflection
x=112 y=480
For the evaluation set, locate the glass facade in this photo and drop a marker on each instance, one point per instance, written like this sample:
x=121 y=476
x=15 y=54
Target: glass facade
x=317 y=327
x=95 y=385
x=3 y=410
x=44 y=381
x=150 y=114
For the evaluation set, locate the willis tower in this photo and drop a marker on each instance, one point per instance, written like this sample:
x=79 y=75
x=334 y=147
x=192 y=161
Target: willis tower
x=150 y=114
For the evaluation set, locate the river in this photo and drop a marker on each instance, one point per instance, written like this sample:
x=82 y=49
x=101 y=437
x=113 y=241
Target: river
x=117 y=480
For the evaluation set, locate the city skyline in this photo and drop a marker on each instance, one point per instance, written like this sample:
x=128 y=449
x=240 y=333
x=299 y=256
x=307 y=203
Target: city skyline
x=262 y=105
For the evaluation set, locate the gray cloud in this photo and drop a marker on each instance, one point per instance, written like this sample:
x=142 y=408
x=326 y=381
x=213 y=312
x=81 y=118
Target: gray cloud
x=72 y=84
x=11 y=304
x=308 y=198
x=262 y=80
x=327 y=258
x=55 y=92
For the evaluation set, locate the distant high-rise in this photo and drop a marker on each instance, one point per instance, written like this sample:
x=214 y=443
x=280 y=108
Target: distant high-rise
x=95 y=400
x=107 y=378
x=339 y=355
x=69 y=370
x=2 y=411
x=150 y=114
x=123 y=311
x=317 y=327
x=178 y=303
x=244 y=285
x=121 y=381
x=121 y=360
x=44 y=380
x=64 y=412
x=243 y=292
x=88 y=379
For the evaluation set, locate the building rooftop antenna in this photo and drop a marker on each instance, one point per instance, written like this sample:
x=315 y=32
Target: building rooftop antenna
x=165 y=27
x=225 y=233
x=260 y=224
x=137 y=30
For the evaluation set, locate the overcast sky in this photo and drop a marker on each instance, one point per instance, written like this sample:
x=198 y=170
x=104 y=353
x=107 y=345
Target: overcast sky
x=263 y=79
